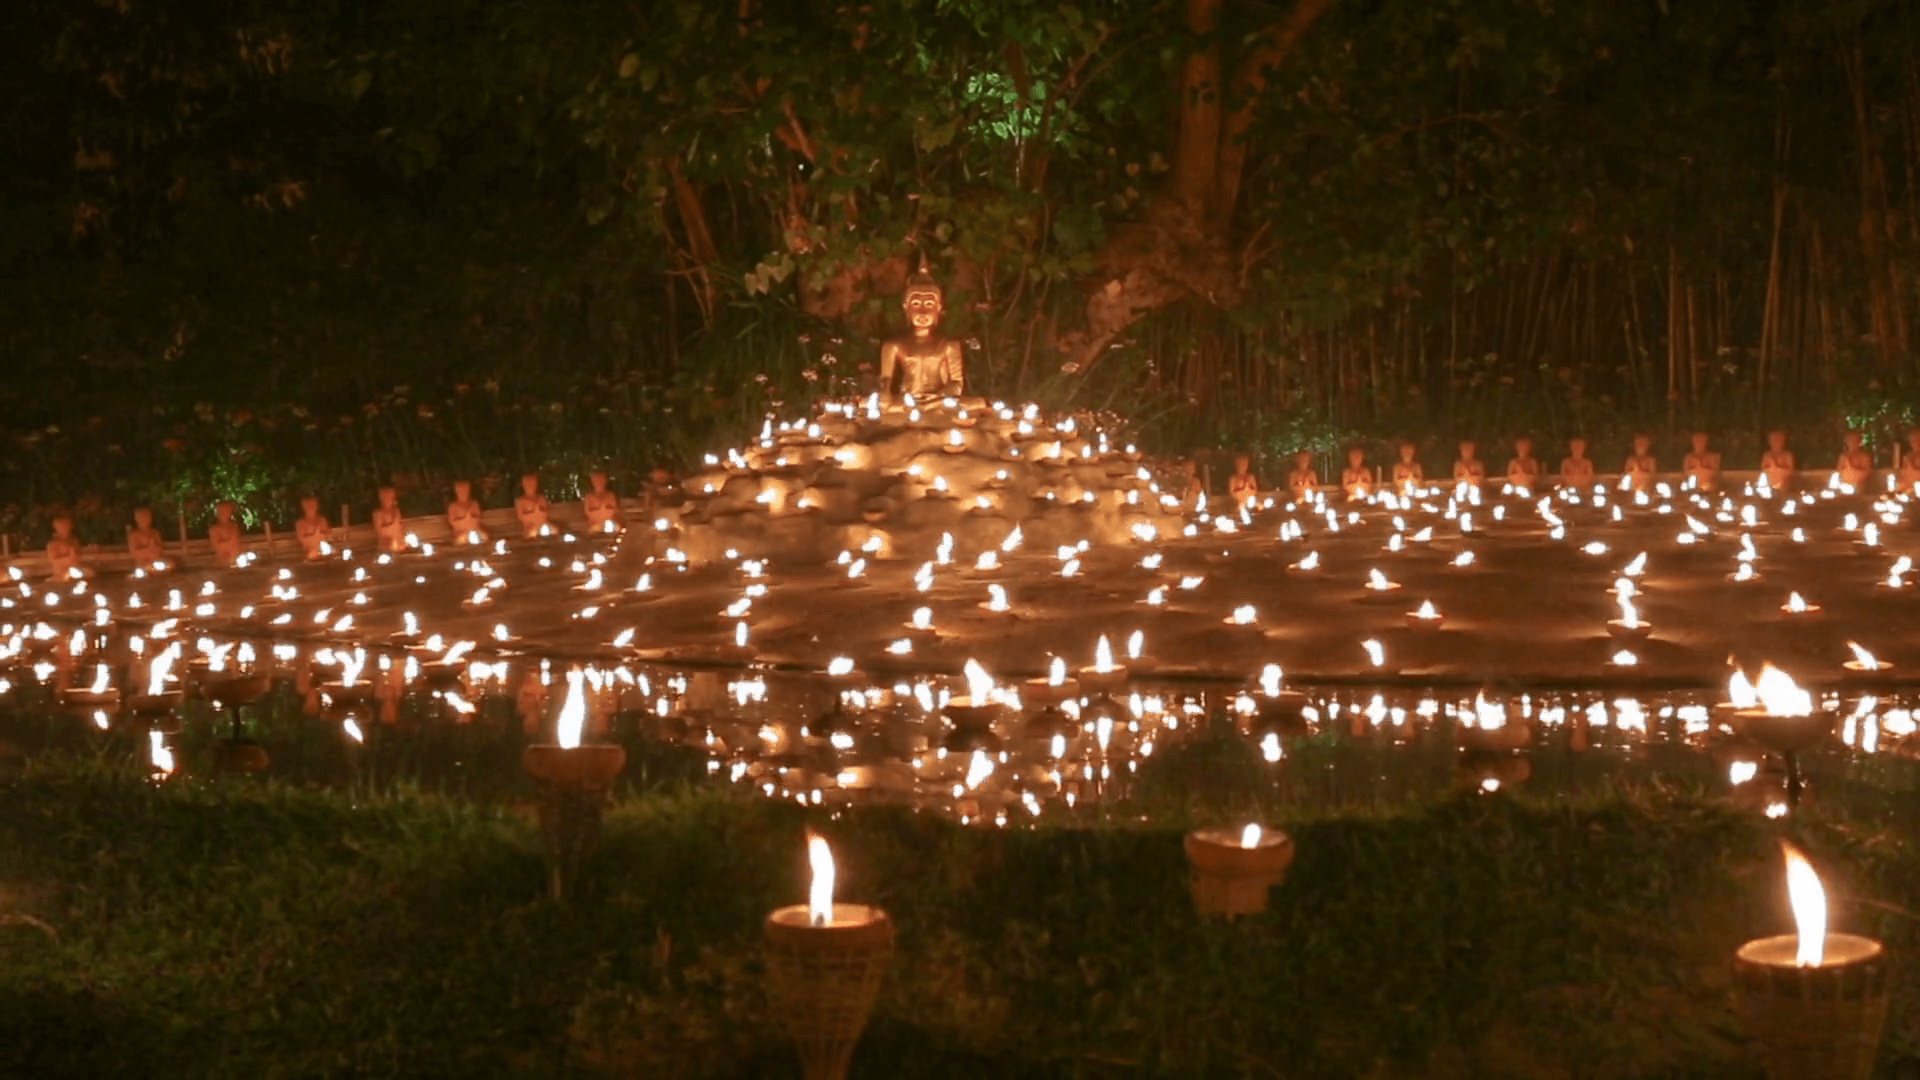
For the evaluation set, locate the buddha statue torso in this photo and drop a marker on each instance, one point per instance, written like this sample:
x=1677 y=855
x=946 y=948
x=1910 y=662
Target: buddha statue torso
x=924 y=363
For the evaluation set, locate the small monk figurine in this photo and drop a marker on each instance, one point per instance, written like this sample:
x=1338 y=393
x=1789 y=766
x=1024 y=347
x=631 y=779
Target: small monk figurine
x=1523 y=470
x=1469 y=469
x=1194 y=489
x=1856 y=464
x=229 y=542
x=144 y=542
x=63 y=551
x=1407 y=473
x=532 y=507
x=663 y=490
x=313 y=530
x=1302 y=481
x=602 y=506
x=463 y=515
x=1242 y=487
x=1356 y=479
x=1910 y=463
x=1703 y=465
x=1777 y=464
x=389 y=529
x=1641 y=464
x=924 y=363
x=1576 y=469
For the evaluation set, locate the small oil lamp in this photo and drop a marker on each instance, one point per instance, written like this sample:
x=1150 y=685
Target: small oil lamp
x=1378 y=587
x=1864 y=662
x=572 y=782
x=1425 y=617
x=974 y=714
x=824 y=966
x=1776 y=713
x=1233 y=869
x=1797 y=607
x=1629 y=628
x=1104 y=676
x=1814 y=1001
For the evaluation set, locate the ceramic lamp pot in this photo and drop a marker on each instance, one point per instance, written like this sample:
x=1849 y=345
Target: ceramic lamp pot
x=1782 y=734
x=233 y=691
x=1231 y=880
x=973 y=726
x=822 y=981
x=1417 y=621
x=1814 y=1022
x=1046 y=695
x=1103 y=682
x=573 y=782
x=1629 y=635
x=152 y=707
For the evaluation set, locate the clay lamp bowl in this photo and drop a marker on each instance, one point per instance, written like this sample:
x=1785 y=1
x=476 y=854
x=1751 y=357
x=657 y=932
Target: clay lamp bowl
x=1093 y=680
x=1233 y=868
x=587 y=766
x=1803 y=612
x=1880 y=668
x=1783 y=734
x=81 y=699
x=1283 y=713
x=231 y=691
x=158 y=711
x=1047 y=694
x=1048 y=723
x=1629 y=635
x=1378 y=590
x=973 y=725
x=1426 y=618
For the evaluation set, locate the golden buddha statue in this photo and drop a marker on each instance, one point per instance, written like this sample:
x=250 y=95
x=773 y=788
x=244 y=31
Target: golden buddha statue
x=924 y=363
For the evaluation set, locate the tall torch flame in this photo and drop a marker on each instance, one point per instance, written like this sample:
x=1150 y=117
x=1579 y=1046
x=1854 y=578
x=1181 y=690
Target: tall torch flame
x=1780 y=695
x=573 y=714
x=1809 y=907
x=820 y=891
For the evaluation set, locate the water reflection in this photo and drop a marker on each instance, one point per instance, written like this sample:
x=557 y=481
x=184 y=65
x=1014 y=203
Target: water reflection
x=978 y=753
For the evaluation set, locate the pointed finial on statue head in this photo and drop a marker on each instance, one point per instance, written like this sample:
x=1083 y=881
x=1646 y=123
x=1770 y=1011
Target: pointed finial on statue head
x=922 y=283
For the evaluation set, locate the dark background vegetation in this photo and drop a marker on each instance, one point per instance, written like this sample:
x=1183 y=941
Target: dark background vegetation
x=256 y=247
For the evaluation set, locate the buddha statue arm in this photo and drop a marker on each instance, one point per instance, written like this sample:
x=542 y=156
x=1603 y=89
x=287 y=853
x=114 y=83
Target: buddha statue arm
x=889 y=359
x=953 y=369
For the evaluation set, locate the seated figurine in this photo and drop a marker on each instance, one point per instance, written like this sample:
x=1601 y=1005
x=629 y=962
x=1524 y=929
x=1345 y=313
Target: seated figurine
x=1576 y=469
x=1195 y=488
x=313 y=530
x=1523 y=471
x=1407 y=473
x=463 y=515
x=1641 y=465
x=532 y=508
x=1243 y=487
x=1910 y=464
x=1356 y=479
x=663 y=490
x=1469 y=469
x=144 y=542
x=229 y=542
x=63 y=551
x=1703 y=465
x=1304 y=479
x=1856 y=464
x=602 y=506
x=389 y=528
x=1777 y=464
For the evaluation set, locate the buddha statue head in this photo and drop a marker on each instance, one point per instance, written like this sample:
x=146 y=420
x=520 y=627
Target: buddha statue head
x=923 y=302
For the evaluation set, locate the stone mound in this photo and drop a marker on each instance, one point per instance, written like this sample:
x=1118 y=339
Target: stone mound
x=891 y=481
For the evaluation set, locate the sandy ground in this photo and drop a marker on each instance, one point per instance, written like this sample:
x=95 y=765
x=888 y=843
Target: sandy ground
x=1532 y=609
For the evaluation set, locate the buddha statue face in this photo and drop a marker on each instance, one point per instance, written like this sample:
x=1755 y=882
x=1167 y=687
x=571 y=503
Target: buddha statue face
x=1241 y=463
x=1577 y=447
x=1466 y=449
x=1303 y=460
x=1406 y=452
x=1355 y=456
x=1852 y=439
x=923 y=305
x=1523 y=447
x=1640 y=445
x=462 y=490
x=1913 y=440
x=530 y=484
x=310 y=506
x=389 y=498
x=223 y=511
x=599 y=481
x=1776 y=441
x=1699 y=442
x=63 y=527
x=143 y=518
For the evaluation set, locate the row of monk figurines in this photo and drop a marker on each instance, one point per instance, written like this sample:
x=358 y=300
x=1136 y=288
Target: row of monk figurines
x=1701 y=467
x=314 y=531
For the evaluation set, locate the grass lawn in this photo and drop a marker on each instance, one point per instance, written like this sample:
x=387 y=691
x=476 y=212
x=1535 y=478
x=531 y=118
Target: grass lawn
x=248 y=930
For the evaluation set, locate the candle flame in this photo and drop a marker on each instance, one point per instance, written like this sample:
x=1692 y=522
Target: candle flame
x=1243 y=615
x=100 y=677
x=1780 y=695
x=1102 y=655
x=1809 y=907
x=1740 y=691
x=979 y=683
x=158 y=754
x=157 y=674
x=1135 y=642
x=1377 y=580
x=1375 y=651
x=1270 y=680
x=820 y=890
x=1057 y=672
x=573 y=714
x=1427 y=610
x=1250 y=837
x=1796 y=603
x=1867 y=660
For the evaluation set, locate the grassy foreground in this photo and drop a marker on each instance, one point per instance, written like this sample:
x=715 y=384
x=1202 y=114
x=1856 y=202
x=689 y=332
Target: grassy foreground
x=243 y=930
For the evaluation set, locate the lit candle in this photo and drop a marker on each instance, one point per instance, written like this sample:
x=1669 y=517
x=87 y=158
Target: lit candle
x=824 y=965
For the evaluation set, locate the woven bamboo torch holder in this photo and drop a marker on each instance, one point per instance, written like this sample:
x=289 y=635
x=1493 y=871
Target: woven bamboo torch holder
x=572 y=784
x=1231 y=880
x=822 y=981
x=1814 y=1023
